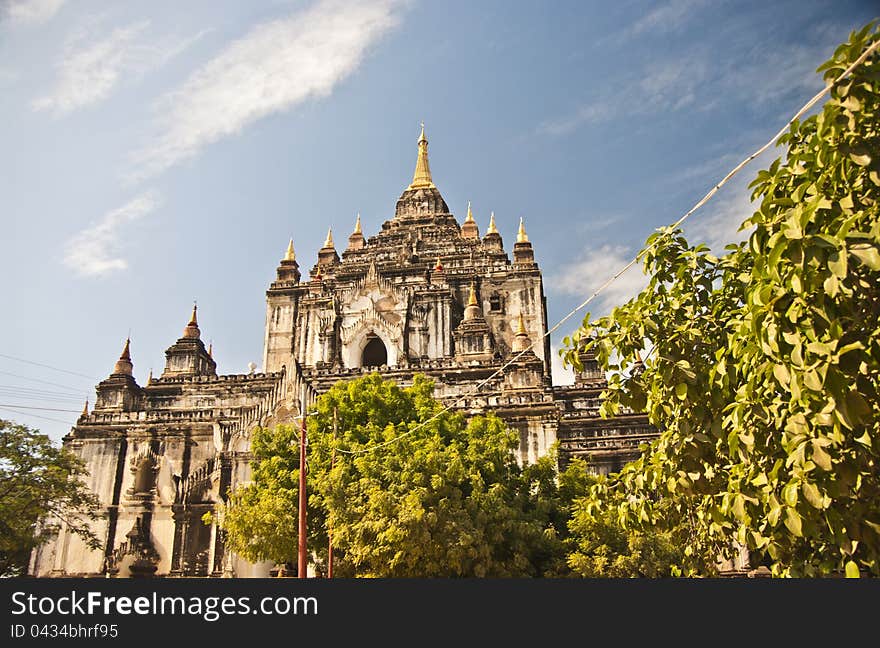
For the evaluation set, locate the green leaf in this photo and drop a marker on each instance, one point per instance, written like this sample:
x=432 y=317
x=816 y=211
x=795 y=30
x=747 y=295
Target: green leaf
x=852 y=569
x=793 y=522
x=790 y=494
x=820 y=457
x=781 y=373
x=867 y=254
x=812 y=495
x=681 y=391
x=837 y=264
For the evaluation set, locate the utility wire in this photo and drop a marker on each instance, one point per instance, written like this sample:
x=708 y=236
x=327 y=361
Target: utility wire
x=739 y=167
x=39 y=364
x=45 y=382
x=45 y=418
x=45 y=409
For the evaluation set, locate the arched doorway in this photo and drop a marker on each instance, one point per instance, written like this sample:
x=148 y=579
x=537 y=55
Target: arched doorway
x=375 y=353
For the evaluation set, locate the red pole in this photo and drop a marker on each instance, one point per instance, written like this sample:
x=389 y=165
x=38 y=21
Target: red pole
x=330 y=531
x=301 y=567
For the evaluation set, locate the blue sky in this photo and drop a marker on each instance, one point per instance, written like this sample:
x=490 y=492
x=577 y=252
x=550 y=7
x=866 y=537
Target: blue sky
x=160 y=152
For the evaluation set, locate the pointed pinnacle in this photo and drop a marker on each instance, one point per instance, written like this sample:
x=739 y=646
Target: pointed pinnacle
x=357 y=225
x=492 y=229
x=521 y=236
x=472 y=298
x=329 y=242
x=290 y=255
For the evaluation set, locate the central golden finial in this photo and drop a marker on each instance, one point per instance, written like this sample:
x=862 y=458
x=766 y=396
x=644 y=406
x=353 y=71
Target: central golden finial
x=357 y=225
x=492 y=229
x=422 y=174
x=470 y=215
x=329 y=242
x=521 y=236
x=290 y=255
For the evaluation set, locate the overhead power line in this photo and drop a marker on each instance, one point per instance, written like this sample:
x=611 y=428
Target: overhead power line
x=40 y=364
x=739 y=167
x=45 y=418
x=45 y=382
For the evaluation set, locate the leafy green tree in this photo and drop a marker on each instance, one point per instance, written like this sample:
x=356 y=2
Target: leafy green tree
x=406 y=489
x=764 y=373
x=40 y=487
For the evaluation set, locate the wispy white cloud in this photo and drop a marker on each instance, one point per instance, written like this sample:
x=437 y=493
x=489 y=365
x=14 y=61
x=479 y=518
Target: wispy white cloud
x=29 y=11
x=669 y=16
x=699 y=80
x=718 y=223
x=95 y=250
x=665 y=86
x=88 y=71
x=595 y=266
x=275 y=66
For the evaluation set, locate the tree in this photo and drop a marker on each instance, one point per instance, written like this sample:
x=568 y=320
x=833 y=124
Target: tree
x=405 y=488
x=764 y=373
x=40 y=487
x=602 y=547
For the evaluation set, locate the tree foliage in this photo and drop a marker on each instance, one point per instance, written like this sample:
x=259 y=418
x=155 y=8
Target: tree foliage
x=764 y=374
x=40 y=487
x=403 y=492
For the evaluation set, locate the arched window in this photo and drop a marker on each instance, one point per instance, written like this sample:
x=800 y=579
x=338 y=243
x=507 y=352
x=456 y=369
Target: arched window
x=144 y=477
x=375 y=353
x=495 y=304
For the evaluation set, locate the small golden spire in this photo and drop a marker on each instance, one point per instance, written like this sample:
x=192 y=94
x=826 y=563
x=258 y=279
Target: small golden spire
x=329 y=242
x=422 y=174
x=290 y=255
x=492 y=229
x=439 y=266
x=126 y=351
x=150 y=377
x=521 y=236
x=85 y=409
x=191 y=330
x=472 y=298
x=357 y=225
x=123 y=365
x=470 y=216
x=521 y=326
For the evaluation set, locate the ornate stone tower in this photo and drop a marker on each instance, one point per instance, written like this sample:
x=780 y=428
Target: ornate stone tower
x=423 y=291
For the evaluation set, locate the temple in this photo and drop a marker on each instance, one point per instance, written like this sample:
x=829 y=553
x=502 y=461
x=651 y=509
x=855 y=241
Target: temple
x=425 y=294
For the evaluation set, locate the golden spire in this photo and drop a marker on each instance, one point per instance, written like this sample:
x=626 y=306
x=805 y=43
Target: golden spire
x=521 y=236
x=470 y=216
x=422 y=174
x=439 y=265
x=472 y=298
x=290 y=255
x=123 y=365
x=492 y=229
x=85 y=409
x=521 y=326
x=329 y=242
x=192 y=328
x=126 y=351
x=357 y=225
